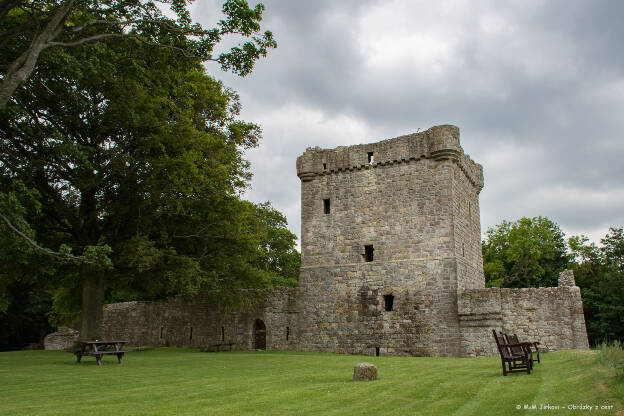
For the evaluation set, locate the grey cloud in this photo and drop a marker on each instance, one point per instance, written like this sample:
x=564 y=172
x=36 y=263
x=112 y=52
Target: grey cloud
x=544 y=76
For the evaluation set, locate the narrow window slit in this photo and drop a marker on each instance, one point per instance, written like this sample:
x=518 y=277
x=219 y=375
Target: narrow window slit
x=388 y=302
x=368 y=253
x=287 y=333
x=326 y=206
x=191 y=333
x=222 y=334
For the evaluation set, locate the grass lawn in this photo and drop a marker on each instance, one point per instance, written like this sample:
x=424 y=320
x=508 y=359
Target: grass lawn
x=186 y=382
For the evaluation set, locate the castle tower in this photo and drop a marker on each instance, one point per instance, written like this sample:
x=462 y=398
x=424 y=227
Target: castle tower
x=390 y=232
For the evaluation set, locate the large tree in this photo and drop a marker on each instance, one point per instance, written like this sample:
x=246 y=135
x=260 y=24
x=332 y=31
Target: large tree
x=29 y=27
x=134 y=157
x=527 y=253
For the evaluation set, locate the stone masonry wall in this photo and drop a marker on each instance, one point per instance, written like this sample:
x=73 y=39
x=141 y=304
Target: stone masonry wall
x=199 y=324
x=553 y=316
x=401 y=197
x=467 y=231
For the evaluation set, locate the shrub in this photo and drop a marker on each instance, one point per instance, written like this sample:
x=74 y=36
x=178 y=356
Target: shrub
x=612 y=355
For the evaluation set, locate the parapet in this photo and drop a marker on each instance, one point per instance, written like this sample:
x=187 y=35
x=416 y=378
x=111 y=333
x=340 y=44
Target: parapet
x=437 y=143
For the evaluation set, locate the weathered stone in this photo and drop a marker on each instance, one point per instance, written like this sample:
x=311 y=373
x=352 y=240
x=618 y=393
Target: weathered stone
x=551 y=315
x=391 y=265
x=365 y=372
x=62 y=339
x=566 y=278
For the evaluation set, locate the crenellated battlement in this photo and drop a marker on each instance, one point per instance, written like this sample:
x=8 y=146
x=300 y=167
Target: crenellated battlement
x=436 y=143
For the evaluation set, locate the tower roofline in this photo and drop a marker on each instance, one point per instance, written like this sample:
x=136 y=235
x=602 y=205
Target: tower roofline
x=437 y=143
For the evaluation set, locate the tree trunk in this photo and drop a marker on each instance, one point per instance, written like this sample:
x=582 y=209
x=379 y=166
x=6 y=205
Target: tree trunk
x=93 y=289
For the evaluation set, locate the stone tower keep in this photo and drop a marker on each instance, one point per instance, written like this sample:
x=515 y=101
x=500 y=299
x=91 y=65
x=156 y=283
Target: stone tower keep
x=390 y=232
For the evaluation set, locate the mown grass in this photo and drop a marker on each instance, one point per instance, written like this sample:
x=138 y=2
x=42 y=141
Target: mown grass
x=187 y=382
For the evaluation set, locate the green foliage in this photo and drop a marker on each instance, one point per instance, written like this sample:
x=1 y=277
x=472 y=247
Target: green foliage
x=20 y=265
x=603 y=304
x=612 y=355
x=22 y=22
x=133 y=159
x=599 y=274
x=527 y=253
x=613 y=249
x=25 y=319
x=278 y=254
x=24 y=302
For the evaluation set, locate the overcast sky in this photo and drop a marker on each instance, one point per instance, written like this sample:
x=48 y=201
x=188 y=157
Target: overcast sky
x=536 y=88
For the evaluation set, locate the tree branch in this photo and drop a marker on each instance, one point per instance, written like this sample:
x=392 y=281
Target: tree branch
x=126 y=36
x=175 y=48
x=38 y=247
x=168 y=25
x=91 y=39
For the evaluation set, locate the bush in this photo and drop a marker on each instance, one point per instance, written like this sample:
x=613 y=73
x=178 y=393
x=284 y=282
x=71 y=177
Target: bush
x=612 y=355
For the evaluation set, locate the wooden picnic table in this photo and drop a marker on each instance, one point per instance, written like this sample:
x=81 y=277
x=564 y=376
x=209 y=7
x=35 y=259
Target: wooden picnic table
x=99 y=348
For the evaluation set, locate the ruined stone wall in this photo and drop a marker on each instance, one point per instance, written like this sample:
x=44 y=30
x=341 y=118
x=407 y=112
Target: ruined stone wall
x=553 y=316
x=199 y=324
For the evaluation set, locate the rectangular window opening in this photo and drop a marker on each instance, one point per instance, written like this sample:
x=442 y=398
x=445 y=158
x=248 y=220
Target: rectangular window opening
x=191 y=333
x=368 y=253
x=376 y=351
x=162 y=329
x=371 y=158
x=324 y=166
x=463 y=250
x=222 y=334
x=287 y=333
x=388 y=302
x=326 y=206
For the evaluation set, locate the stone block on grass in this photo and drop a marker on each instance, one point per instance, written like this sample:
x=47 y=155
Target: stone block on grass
x=63 y=339
x=365 y=372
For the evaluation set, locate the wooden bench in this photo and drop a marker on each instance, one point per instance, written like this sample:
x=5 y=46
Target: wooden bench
x=98 y=349
x=532 y=346
x=514 y=356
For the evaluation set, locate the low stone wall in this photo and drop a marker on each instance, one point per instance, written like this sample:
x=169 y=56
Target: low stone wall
x=553 y=316
x=199 y=324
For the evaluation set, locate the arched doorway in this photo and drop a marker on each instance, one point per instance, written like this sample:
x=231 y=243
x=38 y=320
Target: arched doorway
x=259 y=335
